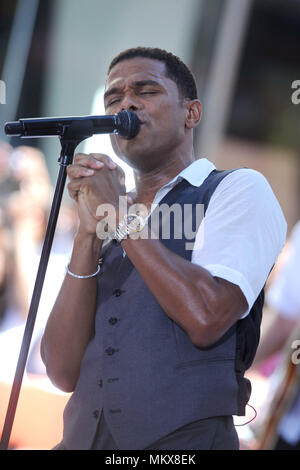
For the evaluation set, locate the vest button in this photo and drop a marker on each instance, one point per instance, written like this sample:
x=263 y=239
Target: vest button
x=118 y=292
x=113 y=379
x=96 y=414
x=110 y=351
x=113 y=320
x=100 y=383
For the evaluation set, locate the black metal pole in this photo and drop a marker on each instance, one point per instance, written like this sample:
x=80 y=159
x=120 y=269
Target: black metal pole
x=66 y=158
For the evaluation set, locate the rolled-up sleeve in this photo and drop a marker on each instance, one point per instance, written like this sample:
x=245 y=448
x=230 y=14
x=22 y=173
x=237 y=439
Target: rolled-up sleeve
x=242 y=233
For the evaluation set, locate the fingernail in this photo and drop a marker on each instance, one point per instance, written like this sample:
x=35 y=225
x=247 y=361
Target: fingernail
x=89 y=172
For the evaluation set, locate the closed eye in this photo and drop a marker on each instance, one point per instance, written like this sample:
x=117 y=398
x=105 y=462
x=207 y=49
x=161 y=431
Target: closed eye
x=141 y=93
x=148 y=92
x=116 y=100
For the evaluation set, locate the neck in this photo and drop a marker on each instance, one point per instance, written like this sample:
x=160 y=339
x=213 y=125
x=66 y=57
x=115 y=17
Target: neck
x=148 y=183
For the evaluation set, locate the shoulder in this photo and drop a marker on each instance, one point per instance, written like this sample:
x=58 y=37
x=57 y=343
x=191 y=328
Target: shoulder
x=246 y=177
x=245 y=184
x=247 y=195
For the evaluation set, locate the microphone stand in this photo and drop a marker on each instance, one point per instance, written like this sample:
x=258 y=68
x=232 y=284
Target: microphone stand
x=71 y=136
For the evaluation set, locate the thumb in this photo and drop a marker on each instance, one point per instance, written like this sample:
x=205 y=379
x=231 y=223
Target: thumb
x=129 y=200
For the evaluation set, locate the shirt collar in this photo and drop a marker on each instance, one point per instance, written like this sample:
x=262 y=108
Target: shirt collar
x=195 y=174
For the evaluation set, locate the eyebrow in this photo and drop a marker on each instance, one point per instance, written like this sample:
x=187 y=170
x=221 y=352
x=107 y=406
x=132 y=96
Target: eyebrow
x=137 y=84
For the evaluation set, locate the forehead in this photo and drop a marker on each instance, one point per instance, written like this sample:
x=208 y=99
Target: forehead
x=137 y=68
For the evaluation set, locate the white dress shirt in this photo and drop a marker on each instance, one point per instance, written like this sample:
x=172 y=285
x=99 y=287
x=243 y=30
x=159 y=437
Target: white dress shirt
x=243 y=231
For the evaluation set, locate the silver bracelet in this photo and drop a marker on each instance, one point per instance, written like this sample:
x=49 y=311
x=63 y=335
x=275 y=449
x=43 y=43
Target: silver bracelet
x=84 y=277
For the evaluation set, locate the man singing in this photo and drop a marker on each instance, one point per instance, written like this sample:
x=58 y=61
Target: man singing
x=155 y=342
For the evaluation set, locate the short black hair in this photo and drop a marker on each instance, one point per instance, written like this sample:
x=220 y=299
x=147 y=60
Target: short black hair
x=176 y=70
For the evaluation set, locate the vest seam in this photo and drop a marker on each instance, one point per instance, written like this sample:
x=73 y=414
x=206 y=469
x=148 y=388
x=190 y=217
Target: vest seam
x=196 y=362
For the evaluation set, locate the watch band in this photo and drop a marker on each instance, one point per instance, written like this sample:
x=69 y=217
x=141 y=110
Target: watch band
x=132 y=223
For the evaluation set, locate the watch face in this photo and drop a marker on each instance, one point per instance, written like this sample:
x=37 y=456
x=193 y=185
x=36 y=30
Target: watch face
x=134 y=222
x=130 y=218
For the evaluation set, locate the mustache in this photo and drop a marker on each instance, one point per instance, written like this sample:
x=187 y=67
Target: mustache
x=142 y=116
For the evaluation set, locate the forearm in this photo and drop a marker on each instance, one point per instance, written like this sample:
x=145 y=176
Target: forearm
x=71 y=323
x=187 y=293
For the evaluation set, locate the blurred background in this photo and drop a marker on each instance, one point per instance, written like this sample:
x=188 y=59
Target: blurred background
x=54 y=56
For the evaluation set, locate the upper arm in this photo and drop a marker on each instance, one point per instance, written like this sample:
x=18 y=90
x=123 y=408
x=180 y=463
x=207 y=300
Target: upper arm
x=243 y=233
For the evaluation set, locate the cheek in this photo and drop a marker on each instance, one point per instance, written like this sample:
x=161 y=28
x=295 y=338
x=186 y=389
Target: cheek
x=170 y=126
x=170 y=118
x=165 y=126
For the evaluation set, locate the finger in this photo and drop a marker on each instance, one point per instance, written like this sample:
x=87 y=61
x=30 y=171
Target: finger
x=73 y=194
x=129 y=200
x=121 y=175
x=82 y=159
x=95 y=160
x=74 y=188
x=77 y=171
x=105 y=159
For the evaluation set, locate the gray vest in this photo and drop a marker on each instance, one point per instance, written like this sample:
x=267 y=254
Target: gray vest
x=141 y=368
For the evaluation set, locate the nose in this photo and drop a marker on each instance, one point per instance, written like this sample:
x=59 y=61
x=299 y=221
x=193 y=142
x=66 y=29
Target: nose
x=130 y=103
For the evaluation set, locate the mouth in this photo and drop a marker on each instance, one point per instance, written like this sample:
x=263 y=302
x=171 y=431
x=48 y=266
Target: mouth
x=136 y=126
x=141 y=119
x=140 y=125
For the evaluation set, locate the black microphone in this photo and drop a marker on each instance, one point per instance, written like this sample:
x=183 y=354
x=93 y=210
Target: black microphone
x=125 y=123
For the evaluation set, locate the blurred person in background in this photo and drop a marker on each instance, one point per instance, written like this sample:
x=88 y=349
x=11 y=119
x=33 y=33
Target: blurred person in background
x=8 y=182
x=27 y=211
x=282 y=422
x=6 y=269
x=26 y=198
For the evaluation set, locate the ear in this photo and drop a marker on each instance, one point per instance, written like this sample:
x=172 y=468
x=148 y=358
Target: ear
x=193 y=113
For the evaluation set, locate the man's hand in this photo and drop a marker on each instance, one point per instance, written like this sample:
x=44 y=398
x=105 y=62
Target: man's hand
x=94 y=180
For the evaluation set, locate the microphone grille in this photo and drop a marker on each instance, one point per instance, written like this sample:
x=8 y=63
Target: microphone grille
x=129 y=124
x=13 y=128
